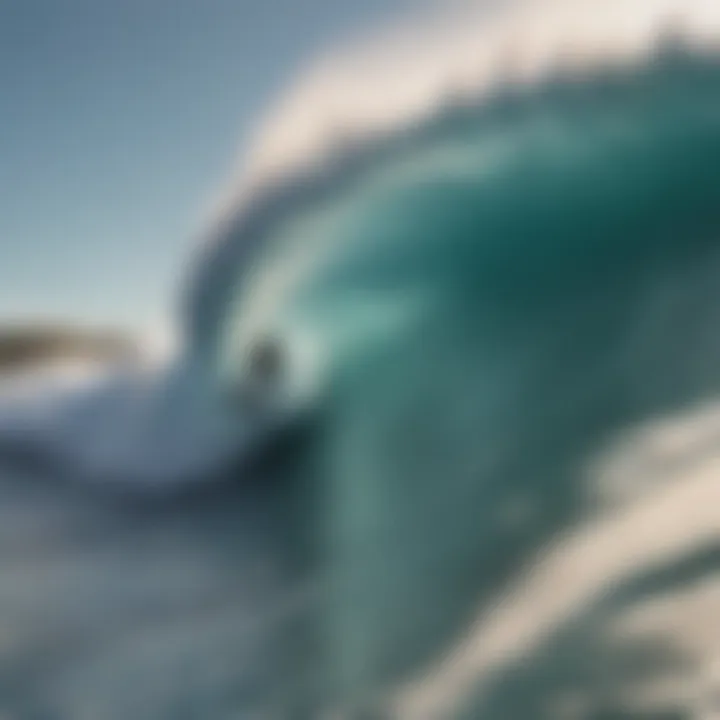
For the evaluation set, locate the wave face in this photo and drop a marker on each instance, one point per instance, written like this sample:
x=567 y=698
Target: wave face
x=492 y=298
x=482 y=300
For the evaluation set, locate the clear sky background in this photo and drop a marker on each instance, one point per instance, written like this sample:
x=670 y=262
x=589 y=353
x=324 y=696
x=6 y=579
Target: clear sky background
x=118 y=121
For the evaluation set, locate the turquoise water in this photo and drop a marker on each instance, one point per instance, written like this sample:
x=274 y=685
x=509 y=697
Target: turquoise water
x=484 y=307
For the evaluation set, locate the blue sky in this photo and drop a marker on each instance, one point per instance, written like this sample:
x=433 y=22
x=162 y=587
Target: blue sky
x=118 y=119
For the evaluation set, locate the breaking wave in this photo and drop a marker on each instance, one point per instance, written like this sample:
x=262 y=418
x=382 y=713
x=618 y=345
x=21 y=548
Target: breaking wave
x=487 y=256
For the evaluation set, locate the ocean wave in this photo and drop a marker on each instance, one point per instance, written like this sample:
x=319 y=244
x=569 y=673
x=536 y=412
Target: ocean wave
x=357 y=107
x=482 y=272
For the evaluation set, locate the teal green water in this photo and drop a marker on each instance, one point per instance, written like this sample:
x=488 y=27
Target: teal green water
x=483 y=308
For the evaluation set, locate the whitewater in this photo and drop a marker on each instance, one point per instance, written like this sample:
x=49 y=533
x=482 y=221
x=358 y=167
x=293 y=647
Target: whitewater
x=439 y=438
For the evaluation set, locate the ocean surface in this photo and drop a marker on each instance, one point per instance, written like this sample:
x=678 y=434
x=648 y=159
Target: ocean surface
x=482 y=479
